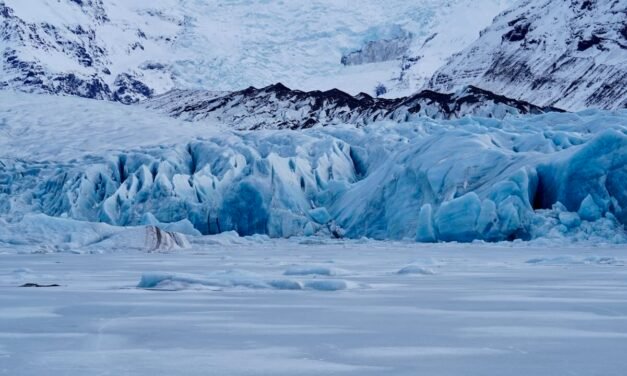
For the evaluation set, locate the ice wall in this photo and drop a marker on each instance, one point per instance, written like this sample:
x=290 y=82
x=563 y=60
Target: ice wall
x=474 y=178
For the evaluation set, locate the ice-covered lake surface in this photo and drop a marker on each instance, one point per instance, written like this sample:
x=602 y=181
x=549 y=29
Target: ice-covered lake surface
x=312 y=306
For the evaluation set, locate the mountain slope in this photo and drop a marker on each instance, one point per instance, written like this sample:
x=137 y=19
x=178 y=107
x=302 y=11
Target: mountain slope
x=130 y=50
x=566 y=53
x=277 y=107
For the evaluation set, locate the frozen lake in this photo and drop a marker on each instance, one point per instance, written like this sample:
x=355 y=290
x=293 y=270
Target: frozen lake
x=218 y=309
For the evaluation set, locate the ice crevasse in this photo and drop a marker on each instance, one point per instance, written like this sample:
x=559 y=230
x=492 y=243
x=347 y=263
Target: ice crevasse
x=470 y=179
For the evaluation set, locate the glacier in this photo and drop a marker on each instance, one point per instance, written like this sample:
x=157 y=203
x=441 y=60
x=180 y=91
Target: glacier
x=559 y=175
x=186 y=184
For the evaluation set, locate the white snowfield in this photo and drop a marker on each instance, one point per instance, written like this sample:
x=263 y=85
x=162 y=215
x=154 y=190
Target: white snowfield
x=226 y=307
x=555 y=175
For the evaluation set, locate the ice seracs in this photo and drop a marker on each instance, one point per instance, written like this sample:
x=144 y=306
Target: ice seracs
x=522 y=177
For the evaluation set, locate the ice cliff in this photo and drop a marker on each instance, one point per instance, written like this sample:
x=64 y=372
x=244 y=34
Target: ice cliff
x=522 y=177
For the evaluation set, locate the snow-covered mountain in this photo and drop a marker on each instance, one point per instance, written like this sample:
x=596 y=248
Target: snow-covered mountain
x=278 y=107
x=128 y=50
x=73 y=47
x=566 y=53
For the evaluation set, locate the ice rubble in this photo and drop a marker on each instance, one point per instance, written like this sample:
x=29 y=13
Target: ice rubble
x=553 y=175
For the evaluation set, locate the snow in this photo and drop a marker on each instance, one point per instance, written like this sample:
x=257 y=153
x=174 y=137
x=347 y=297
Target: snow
x=550 y=176
x=486 y=311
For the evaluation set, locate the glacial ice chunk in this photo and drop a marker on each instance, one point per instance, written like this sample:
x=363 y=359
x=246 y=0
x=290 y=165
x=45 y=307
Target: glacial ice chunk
x=569 y=219
x=456 y=220
x=488 y=221
x=309 y=229
x=320 y=215
x=589 y=210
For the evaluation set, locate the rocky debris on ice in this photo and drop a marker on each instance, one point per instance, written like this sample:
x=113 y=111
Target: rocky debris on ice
x=31 y=284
